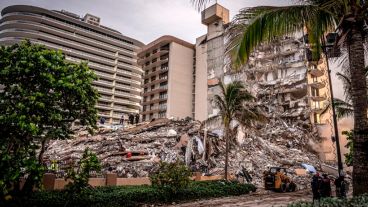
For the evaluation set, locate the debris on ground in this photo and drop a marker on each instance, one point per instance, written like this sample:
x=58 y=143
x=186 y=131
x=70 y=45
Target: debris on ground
x=275 y=143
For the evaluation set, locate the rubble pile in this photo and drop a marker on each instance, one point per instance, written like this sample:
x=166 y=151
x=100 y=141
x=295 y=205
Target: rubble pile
x=134 y=152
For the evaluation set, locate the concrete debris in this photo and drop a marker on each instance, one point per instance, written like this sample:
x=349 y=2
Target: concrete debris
x=273 y=144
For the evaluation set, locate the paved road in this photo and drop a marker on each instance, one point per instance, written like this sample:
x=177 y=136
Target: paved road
x=264 y=199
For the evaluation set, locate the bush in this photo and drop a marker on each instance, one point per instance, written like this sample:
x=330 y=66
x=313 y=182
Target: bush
x=359 y=201
x=171 y=176
x=89 y=162
x=132 y=195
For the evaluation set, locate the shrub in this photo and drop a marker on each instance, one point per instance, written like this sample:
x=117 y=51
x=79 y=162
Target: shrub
x=171 y=176
x=359 y=201
x=132 y=195
x=89 y=162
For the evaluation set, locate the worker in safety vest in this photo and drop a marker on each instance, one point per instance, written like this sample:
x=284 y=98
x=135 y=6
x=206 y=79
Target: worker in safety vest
x=279 y=177
x=54 y=166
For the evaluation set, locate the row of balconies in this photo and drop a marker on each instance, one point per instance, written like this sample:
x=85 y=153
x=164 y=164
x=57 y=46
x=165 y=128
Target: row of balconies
x=73 y=27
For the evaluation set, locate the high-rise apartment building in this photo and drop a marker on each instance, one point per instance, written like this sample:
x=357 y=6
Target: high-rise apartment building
x=110 y=54
x=168 y=65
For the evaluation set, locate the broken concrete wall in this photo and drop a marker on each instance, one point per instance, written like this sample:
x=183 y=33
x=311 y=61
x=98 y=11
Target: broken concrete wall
x=273 y=144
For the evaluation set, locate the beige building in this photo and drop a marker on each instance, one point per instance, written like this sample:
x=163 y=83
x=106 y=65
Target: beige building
x=110 y=54
x=168 y=65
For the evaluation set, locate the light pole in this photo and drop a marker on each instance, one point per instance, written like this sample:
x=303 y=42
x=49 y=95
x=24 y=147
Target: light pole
x=334 y=118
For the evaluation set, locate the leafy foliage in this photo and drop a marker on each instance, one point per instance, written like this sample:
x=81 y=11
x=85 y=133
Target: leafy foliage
x=41 y=96
x=89 y=162
x=171 y=176
x=361 y=201
x=350 y=145
x=133 y=195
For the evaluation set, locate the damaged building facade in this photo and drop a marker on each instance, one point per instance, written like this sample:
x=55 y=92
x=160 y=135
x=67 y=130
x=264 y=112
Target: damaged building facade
x=288 y=84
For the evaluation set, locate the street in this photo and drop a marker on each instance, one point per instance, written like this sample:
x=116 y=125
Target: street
x=259 y=199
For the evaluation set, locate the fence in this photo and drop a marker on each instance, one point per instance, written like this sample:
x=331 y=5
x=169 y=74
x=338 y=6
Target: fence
x=50 y=182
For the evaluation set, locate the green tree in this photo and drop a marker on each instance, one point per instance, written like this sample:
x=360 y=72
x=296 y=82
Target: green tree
x=233 y=105
x=253 y=26
x=42 y=96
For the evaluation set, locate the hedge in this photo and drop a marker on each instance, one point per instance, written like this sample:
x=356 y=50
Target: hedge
x=132 y=195
x=359 y=201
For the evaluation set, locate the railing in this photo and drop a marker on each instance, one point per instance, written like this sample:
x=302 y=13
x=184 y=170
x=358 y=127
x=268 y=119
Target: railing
x=103 y=82
x=119 y=78
x=126 y=101
x=128 y=87
x=128 y=94
x=104 y=89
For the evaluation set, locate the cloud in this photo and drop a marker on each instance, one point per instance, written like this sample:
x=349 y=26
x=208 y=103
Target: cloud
x=144 y=20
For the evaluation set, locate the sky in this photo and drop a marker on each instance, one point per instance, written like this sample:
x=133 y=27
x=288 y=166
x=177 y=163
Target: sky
x=145 y=20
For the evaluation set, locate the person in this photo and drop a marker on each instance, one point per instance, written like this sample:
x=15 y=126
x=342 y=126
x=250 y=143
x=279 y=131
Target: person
x=102 y=120
x=279 y=176
x=136 y=118
x=122 y=120
x=325 y=186
x=131 y=119
x=340 y=186
x=316 y=184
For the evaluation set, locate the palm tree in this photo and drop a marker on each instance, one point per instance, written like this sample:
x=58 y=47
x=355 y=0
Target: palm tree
x=345 y=108
x=233 y=105
x=349 y=18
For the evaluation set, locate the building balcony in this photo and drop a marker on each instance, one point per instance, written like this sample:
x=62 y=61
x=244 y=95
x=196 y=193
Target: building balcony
x=318 y=85
x=84 y=31
x=156 y=100
x=122 y=86
x=143 y=59
x=317 y=110
x=155 y=64
x=315 y=97
x=157 y=72
x=149 y=111
x=125 y=109
x=103 y=106
x=155 y=91
x=123 y=94
x=105 y=99
x=103 y=83
x=124 y=101
x=104 y=75
x=104 y=90
x=123 y=72
x=100 y=114
x=160 y=80
x=316 y=72
x=136 y=68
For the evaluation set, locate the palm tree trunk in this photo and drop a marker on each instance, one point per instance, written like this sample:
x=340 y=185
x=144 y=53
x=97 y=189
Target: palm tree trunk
x=360 y=104
x=226 y=151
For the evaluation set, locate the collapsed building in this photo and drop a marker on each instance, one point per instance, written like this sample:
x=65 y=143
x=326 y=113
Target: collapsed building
x=288 y=83
x=273 y=144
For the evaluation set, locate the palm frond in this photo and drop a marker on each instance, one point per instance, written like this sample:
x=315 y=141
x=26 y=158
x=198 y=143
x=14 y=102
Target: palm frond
x=343 y=109
x=200 y=4
x=253 y=26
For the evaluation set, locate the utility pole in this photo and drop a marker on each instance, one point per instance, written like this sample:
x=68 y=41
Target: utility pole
x=334 y=118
